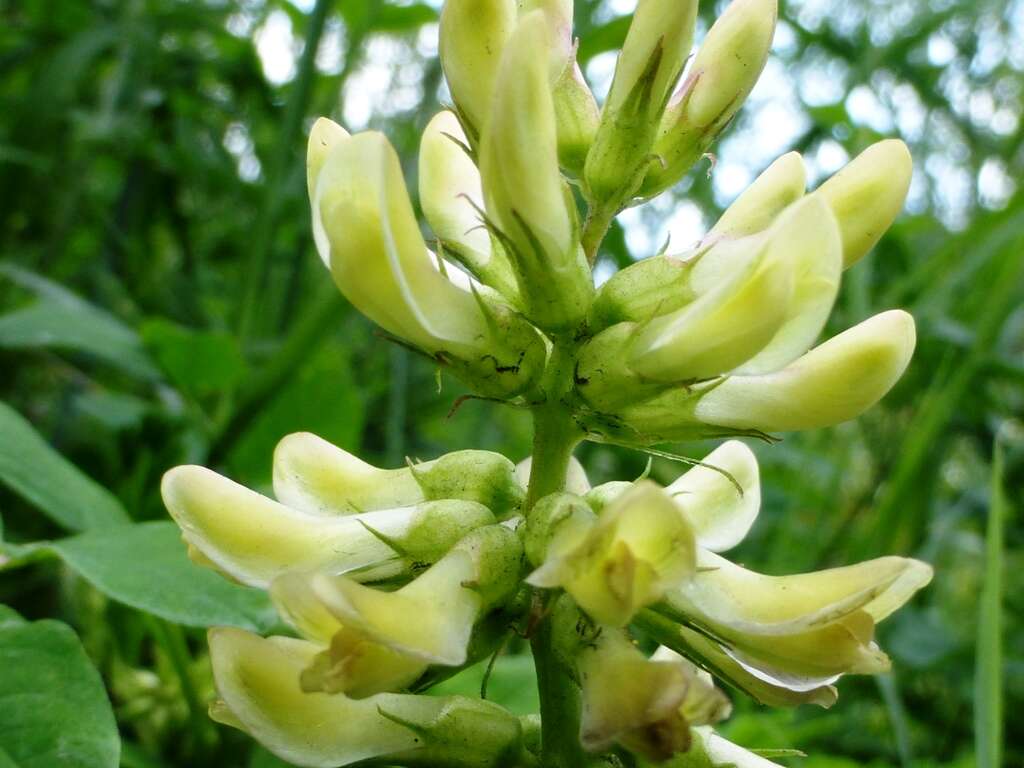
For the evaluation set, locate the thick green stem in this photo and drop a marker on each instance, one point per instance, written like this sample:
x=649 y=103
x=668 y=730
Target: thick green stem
x=554 y=438
x=559 y=705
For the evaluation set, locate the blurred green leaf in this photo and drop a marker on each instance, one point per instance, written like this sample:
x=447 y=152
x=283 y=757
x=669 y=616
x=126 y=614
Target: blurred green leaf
x=402 y=18
x=62 y=321
x=988 y=675
x=146 y=566
x=319 y=397
x=512 y=684
x=261 y=758
x=607 y=37
x=198 y=362
x=44 y=478
x=53 y=708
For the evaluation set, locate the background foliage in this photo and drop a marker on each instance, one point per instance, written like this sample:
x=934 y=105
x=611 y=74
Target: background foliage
x=161 y=303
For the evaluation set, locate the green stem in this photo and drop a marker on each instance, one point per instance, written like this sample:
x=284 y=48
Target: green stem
x=275 y=188
x=554 y=438
x=172 y=640
x=559 y=705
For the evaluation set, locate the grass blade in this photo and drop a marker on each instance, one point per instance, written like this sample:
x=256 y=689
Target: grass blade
x=988 y=674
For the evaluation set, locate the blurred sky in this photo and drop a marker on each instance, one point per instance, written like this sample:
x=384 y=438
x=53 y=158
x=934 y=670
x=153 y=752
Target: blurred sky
x=388 y=81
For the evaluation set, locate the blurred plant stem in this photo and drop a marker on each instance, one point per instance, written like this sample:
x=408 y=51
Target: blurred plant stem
x=988 y=674
x=323 y=311
x=171 y=639
x=275 y=189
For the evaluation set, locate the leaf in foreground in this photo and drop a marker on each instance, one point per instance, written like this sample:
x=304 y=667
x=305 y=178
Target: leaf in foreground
x=53 y=708
x=35 y=471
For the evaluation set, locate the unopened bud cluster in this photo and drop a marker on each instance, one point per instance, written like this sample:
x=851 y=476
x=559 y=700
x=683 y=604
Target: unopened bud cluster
x=393 y=579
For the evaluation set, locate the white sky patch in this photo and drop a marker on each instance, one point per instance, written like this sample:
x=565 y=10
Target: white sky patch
x=239 y=145
x=827 y=158
x=387 y=82
x=600 y=71
x=330 y=56
x=730 y=178
x=684 y=228
x=277 y=47
x=866 y=109
x=994 y=184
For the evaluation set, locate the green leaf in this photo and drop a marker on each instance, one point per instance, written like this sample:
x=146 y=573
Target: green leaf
x=61 y=320
x=512 y=684
x=403 y=18
x=261 y=758
x=146 y=566
x=198 y=362
x=320 y=397
x=988 y=673
x=53 y=708
x=44 y=478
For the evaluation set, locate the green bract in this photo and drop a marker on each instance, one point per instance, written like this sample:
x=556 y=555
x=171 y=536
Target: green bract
x=393 y=579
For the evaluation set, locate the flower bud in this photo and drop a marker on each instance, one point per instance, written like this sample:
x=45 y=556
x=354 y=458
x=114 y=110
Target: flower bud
x=452 y=199
x=258 y=683
x=639 y=547
x=641 y=703
x=372 y=242
x=532 y=211
x=657 y=44
x=721 y=496
x=867 y=195
x=557 y=525
x=814 y=625
x=834 y=382
x=254 y=539
x=717 y=83
x=577 y=117
x=600 y=496
x=558 y=21
x=473 y=34
x=313 y=476
x=779 y=185
x=432 y=617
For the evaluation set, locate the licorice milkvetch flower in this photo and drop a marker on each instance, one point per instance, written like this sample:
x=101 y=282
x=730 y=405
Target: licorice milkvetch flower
x=784 y=639
x=718 y=341
x=258 y=684
x=331 y=552
x=392 y=580
x=367 y=234
x=432 y=616
x=530 y=208
x=713 y=89
x=616 y=563
x=645 y=704
x=657 y=44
